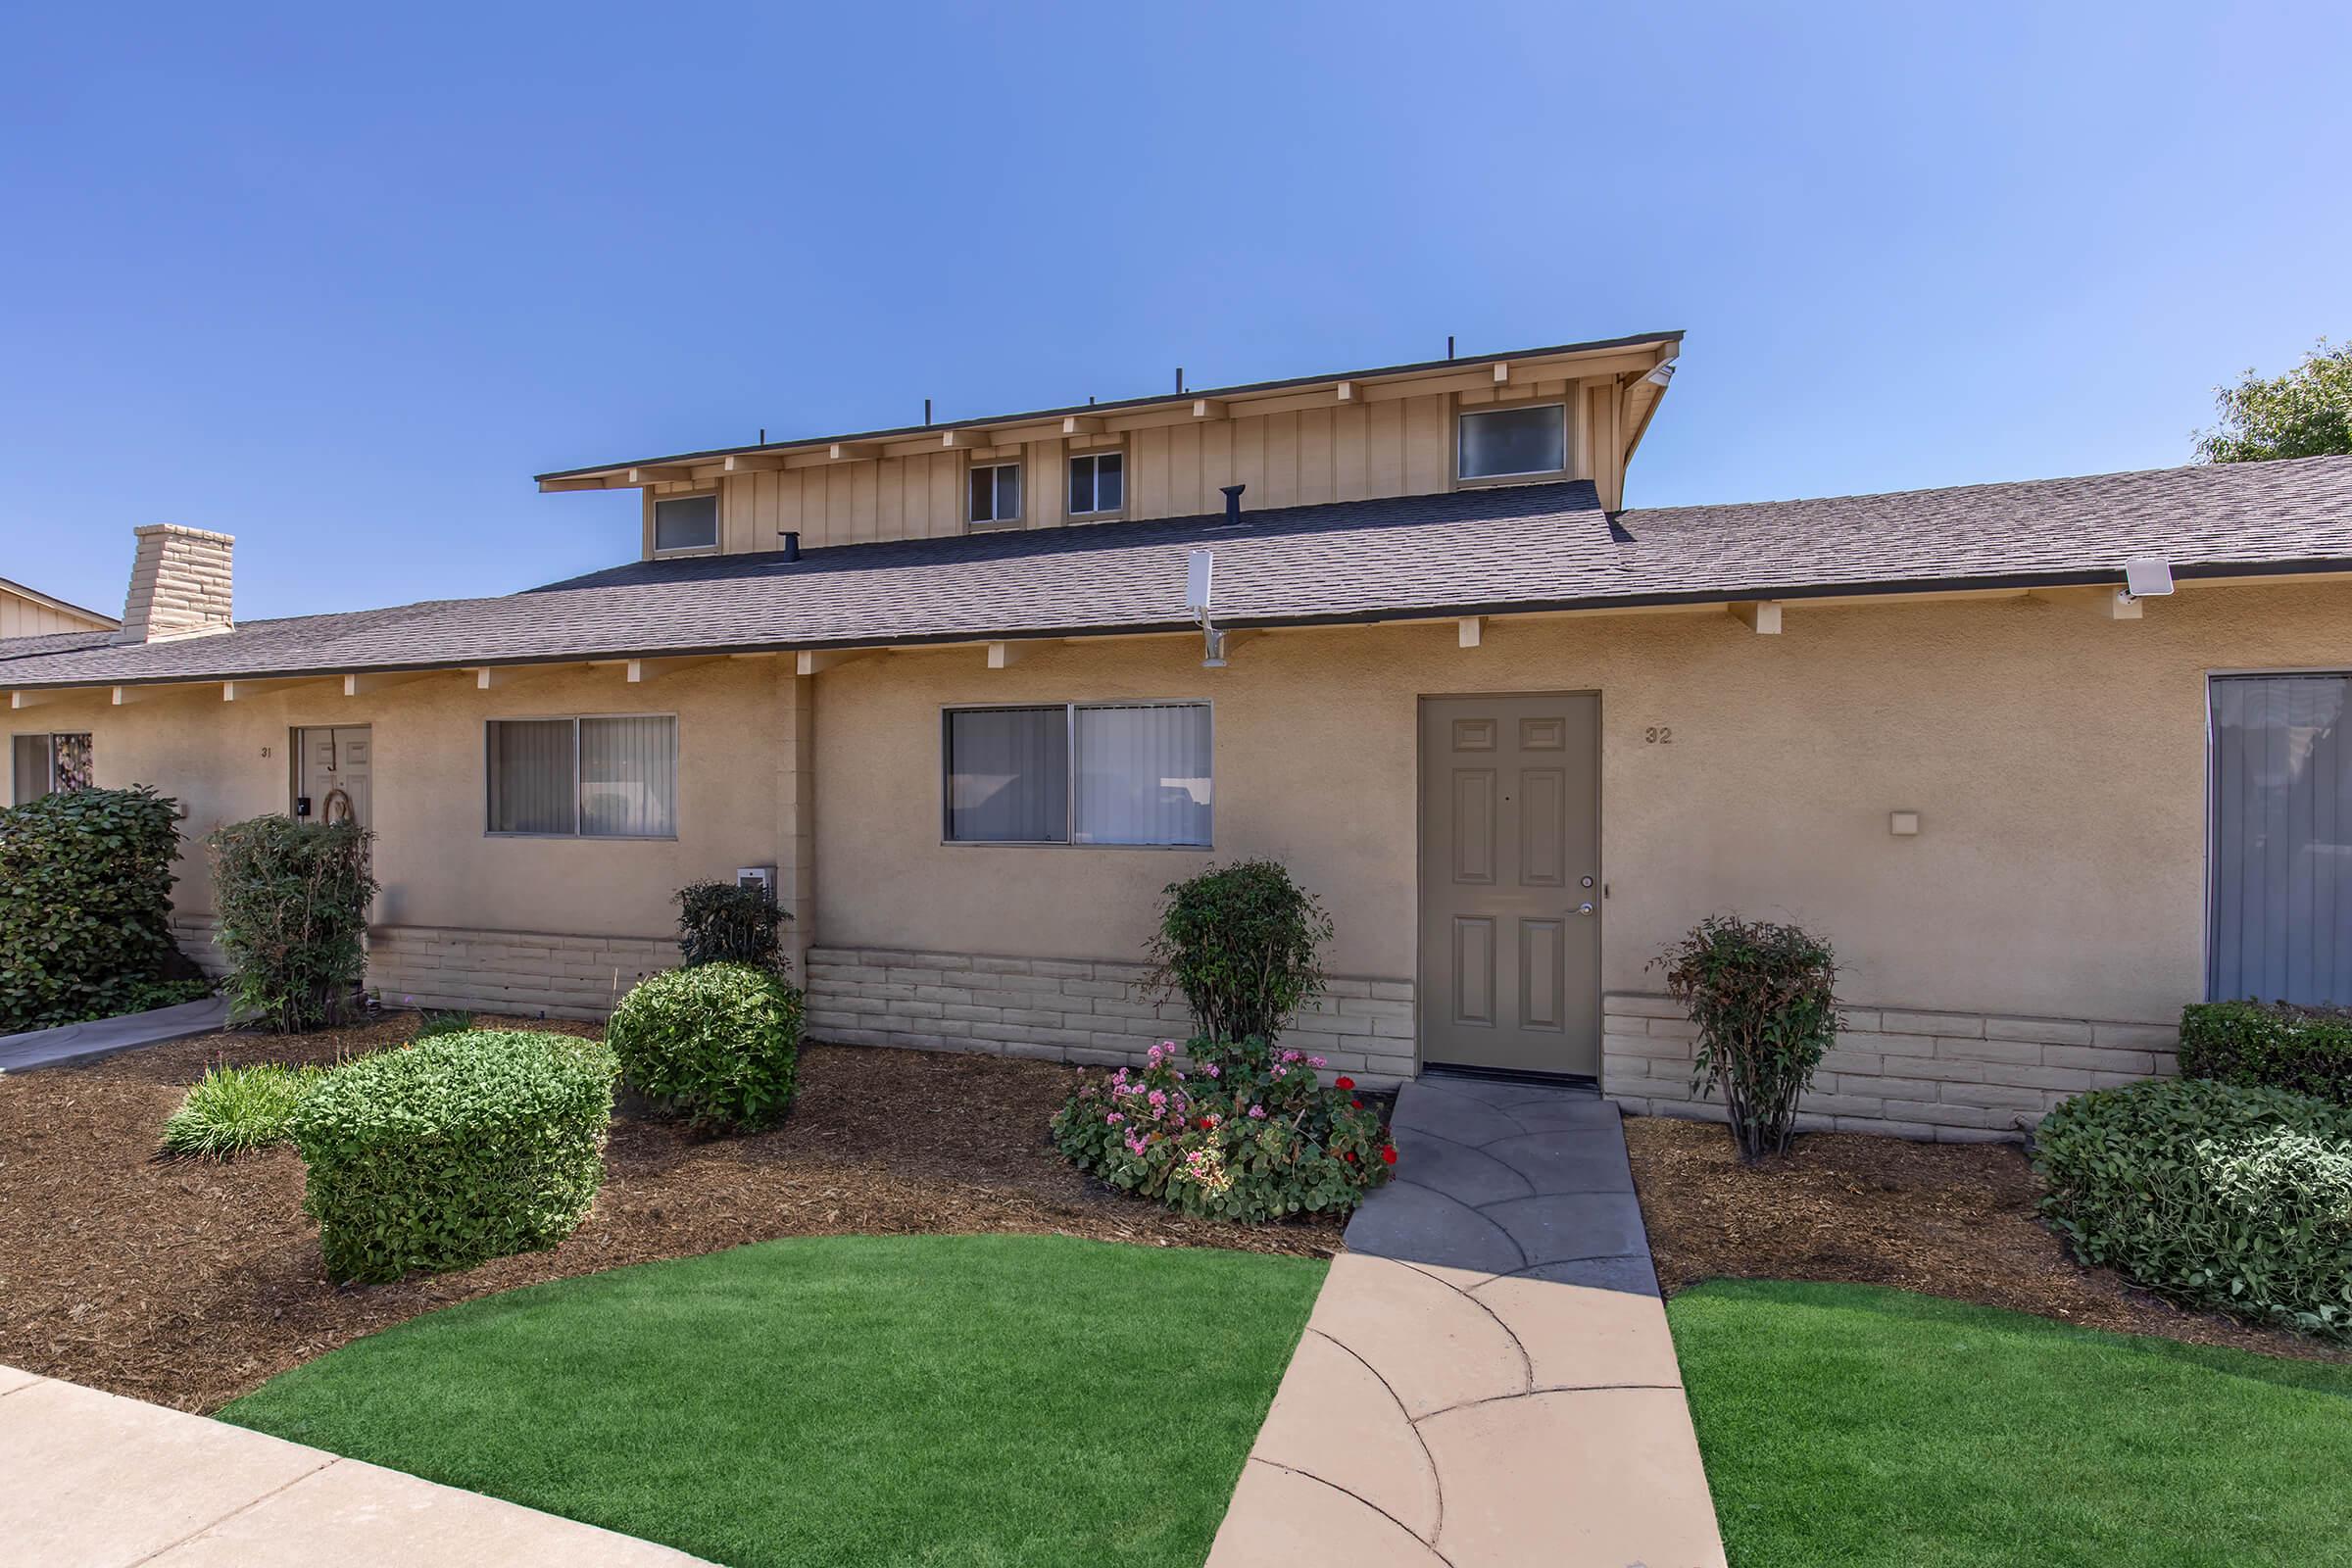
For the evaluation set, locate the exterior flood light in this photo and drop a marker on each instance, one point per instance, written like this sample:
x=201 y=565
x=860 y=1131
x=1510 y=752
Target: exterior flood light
x=1661 y=376
x=2150 y=577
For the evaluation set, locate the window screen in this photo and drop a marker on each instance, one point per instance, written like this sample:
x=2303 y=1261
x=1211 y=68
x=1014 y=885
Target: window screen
x=1082 y=773
x=686 y=523
x=1098 y=482
x=996 y=493
x=2280 y=900
x=1142 y=774
x=1009 y=775
x=1502 y=442
x=629 y=777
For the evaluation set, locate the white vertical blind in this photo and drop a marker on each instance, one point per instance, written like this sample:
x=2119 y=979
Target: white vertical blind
x=2281 y=895
x=629 y=777
x=28 y=758
x=1142 y=774
x=531 y=780
x=1008 y=774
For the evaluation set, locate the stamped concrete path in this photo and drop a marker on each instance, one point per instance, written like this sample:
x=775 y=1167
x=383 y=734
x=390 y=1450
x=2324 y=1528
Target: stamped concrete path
x=1486 y=1378
x=89 y=1480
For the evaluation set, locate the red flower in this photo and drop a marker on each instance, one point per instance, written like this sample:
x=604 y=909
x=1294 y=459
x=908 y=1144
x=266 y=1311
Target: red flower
x=1387 y=1154
x=1343 y=1083
x=1205 y=1122
x=1356 y=1104
x=1347 y=1154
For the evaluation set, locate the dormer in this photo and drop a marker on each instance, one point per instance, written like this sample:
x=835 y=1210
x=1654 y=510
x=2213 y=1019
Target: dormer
x=1534 y=415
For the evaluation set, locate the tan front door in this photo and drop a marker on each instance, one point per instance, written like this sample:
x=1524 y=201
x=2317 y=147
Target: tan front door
x=332 y=773
x=1510 y=882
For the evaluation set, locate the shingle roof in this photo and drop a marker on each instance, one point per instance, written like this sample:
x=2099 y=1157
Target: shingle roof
x=1488 y=551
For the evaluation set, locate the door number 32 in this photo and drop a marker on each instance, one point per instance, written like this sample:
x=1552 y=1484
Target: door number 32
x=1658 y=735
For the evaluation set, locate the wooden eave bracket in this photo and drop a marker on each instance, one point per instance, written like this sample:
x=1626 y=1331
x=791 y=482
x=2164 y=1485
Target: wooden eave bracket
x=1470 y=631
x=1759 y=615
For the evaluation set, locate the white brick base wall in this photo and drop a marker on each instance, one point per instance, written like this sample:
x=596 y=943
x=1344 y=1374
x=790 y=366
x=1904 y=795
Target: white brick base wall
x=1954 y=1077
x=524 y=972
x=1079 y=1011
x=521 y=972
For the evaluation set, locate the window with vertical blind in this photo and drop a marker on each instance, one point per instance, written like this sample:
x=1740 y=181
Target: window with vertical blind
x=2280 y=878
x=1103 y=773
x=48 y=765
x=605 y=777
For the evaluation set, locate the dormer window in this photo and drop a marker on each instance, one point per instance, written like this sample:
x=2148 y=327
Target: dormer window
x=996 y=493
x=685 y=522
x=1514 y=443
x=1098 y=482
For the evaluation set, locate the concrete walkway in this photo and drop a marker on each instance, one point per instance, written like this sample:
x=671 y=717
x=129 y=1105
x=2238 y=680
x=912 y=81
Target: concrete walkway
x=1487 y=1379
x=89 y=1480
x=71 y=1041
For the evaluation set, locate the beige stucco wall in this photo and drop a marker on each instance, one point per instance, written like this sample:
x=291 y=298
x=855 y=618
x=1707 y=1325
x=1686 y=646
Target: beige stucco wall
x=230 y=761
x=2057 y=760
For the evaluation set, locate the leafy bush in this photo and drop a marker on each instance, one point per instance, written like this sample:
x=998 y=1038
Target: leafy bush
x=434 y=1021
x=1248 y=1134
x=2210 y=1193
x=1762 y=997
x=234 y=1111
x=1241 y=944
x=721 y=922
x=292 y=899
x=465 y=1147
x=717 y=1044
x=85 y=907
x=2308 y=1050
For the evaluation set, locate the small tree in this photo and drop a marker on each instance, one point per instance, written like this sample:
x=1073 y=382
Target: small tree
x=722 y=922
x=1763 y=999
x=292 y=898
x=1241 y=944
x=2307 y=413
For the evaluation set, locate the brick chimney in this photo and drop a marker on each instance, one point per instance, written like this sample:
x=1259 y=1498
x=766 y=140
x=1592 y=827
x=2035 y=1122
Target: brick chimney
x=178 y=585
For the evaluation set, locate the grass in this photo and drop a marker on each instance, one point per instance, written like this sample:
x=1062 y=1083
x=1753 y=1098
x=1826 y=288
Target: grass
x=1859 y=1426
x=232 y=1110
x=981 y=1401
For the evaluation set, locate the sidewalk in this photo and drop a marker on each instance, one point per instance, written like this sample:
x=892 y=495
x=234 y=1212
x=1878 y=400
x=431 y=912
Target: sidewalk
x=73 y=1041
x=1487 y=1380
x=93 y=1481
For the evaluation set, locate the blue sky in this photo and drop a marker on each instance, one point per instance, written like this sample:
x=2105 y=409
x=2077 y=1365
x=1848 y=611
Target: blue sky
x=340 y=284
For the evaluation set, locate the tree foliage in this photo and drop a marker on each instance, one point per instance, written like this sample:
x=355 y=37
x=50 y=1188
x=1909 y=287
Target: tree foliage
x=2307 y=413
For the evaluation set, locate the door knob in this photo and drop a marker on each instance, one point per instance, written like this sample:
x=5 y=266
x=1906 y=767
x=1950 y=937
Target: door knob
x=1584 y=908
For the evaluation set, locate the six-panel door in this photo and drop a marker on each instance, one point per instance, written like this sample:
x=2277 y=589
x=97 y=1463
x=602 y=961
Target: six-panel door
x=1510 y=883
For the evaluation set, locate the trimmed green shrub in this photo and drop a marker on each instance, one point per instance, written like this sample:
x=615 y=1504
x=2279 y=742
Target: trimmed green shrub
x=721 y=923
x=465 y=1147
x=717 y=1044
x=292 y=899
x=1249 y=1134
x=234 y=1111
x=1241 y=944
x=85 y=908
x=2210 y=1193
x=2308 y=1050
x=1763 y=998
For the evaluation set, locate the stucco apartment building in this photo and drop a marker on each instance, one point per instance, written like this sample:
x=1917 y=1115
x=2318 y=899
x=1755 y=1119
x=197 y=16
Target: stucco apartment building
x=2045 y=760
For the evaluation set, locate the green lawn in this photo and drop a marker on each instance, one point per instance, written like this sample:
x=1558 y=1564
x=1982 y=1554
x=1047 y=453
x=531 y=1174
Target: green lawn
x=1861 y=1427
x=973 y=1401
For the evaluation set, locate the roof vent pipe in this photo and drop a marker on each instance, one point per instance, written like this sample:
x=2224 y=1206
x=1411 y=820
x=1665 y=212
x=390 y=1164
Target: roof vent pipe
x=1233 y=502
x=792 y=544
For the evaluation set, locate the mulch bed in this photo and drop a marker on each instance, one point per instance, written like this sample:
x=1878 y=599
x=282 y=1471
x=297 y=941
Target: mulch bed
x=1955 y=1220
x=190 y=1282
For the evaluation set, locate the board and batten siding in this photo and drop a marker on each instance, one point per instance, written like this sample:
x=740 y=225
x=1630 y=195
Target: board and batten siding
x=1297 y=457
x=21 y=617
